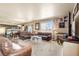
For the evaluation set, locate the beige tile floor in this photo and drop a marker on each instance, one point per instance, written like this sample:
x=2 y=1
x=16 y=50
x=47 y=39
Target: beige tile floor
x=70 y=49
x=44 y=48
x=51 y=48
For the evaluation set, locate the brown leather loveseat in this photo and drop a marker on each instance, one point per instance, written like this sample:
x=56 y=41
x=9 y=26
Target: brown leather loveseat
x=6 y=48
x=45 y=36
x=24 y=35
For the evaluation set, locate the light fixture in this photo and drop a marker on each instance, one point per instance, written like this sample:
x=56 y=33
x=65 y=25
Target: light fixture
x=19 y=25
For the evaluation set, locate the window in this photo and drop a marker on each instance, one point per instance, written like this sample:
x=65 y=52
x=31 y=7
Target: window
x=29 y=28
x=47 y=25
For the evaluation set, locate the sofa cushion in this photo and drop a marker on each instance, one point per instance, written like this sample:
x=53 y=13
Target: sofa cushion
x=6 y=48
x=1 y=53
x=16 y=46
x=24 y=51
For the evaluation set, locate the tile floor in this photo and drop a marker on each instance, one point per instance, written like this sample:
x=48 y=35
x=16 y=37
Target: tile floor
x=44 y=48
x=51 y=48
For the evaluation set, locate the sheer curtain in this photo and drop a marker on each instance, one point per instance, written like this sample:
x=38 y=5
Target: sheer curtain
x=46 y=26
x=30 y=28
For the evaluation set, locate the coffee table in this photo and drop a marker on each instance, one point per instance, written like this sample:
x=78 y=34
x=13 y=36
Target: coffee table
x=36 y=38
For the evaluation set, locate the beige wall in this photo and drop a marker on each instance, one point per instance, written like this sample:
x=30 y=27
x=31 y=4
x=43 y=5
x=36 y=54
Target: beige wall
x=2 y=30
x=56 y=25
x=62 y=30
x=38 y=21
x=77 y=27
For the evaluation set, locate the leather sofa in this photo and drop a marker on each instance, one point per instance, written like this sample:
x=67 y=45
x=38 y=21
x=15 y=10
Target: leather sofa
x=27 y=35
x=6 y=48
x=45 y=36
x=24 y=35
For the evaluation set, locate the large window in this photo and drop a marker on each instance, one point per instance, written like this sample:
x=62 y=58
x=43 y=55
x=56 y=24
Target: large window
x=47 y=25
x=29 y=28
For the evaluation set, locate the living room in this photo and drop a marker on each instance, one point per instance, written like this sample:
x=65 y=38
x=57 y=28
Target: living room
x=41 y=29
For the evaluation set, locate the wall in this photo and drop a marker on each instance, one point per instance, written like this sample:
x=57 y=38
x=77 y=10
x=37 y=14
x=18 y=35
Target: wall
x=54 y=28
x=77 y=27
x=75 y=22
x=61 y=30
x=73 y=25
x=2 y=30
x=23 y=26
x=39 y=21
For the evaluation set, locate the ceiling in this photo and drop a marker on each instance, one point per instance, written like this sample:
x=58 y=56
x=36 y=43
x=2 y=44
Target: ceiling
x=16 y=13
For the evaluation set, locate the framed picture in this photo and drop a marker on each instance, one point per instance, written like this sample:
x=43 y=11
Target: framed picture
x=37 y=26
x=62 y=25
